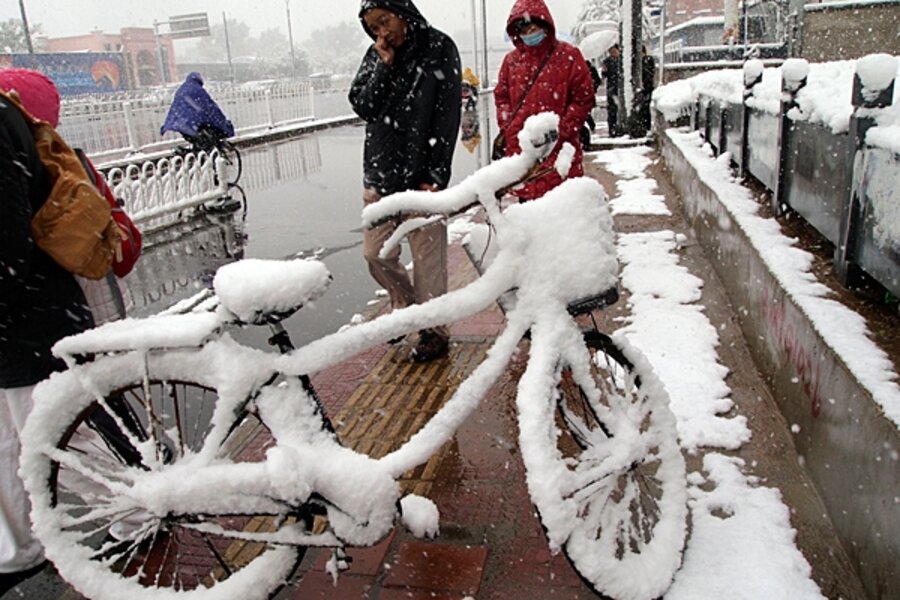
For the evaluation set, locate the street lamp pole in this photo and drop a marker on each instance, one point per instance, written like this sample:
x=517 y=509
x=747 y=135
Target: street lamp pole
x=484 y=39
x=287 y=6
x=159 y=54
x=475 y=60
x=25 y=28
x=662 y=43
x=228 y=47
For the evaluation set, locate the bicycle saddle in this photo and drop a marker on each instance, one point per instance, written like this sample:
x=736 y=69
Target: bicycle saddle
x=260 y=291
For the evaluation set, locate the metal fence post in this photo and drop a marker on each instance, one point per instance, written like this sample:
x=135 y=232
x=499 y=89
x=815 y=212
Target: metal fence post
x=793 y=77
x=312 y=100
x=864 y=98
x=129 y=126
x=753 y=73
x=269 y=112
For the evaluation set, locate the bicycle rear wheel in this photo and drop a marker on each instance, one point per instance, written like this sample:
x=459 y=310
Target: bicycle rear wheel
x=83 y=455
x=624 y=482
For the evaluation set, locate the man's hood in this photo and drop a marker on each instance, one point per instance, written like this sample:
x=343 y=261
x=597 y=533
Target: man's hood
x=403 y=8
x=532 y=10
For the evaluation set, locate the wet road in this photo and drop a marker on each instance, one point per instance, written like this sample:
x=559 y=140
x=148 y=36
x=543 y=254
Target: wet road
x=303 y=198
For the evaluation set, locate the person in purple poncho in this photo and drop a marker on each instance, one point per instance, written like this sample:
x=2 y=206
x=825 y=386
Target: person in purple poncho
x=196 y=116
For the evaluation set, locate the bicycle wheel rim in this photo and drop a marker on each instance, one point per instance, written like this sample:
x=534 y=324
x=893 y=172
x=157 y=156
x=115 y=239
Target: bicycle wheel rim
x=76 y=517
x=628 y=518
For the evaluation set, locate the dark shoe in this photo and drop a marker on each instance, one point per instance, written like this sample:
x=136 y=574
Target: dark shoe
x=431 y=346
x=396 y=340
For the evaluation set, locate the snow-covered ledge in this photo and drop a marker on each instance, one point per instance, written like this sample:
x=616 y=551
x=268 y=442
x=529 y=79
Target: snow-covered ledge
x=836 y=389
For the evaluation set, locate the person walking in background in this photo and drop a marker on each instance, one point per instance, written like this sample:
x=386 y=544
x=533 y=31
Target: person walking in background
x=648 y=75
x=196 y=116
x=541 y=74
x=611 y=70
x=408 y=91
x=470 y=83
x=589 y=124
x=40 y=303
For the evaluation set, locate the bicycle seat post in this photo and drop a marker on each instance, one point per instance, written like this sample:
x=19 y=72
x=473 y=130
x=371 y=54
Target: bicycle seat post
x=280 y=338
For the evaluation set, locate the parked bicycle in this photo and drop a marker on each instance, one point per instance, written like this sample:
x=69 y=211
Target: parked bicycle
x=142 y=461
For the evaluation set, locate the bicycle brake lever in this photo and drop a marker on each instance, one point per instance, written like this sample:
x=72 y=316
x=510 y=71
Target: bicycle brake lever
x=546 y=144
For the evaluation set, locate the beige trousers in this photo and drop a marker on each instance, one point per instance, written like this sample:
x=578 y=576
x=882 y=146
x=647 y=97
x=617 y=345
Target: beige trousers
x=429 y=254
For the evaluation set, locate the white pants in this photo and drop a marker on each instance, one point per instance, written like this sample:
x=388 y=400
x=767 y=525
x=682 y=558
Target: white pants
x=19 y=550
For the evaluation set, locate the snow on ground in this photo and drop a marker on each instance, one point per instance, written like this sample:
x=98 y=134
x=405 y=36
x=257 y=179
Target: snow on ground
x=842 y=329
x=742 y=542
x=636 y=192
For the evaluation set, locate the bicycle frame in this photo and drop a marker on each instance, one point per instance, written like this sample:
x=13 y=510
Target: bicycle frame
x=503 y=274
x=299 y=470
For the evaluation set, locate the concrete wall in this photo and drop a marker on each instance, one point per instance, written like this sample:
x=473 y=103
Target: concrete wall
x=847 y=445
x=849 y=31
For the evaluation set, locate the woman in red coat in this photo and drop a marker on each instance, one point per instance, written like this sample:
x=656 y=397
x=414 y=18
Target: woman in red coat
x=562 y=86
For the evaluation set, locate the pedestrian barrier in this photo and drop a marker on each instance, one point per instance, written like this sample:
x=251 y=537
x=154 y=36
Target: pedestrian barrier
x=130 y=122
x=155 y=192
x=842 y=184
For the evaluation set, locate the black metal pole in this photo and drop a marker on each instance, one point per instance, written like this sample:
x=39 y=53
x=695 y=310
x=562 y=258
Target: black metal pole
x=228 y=47
x=25 y=28
x=287 y=5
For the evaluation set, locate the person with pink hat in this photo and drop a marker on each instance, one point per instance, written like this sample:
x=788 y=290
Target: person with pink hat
x=36 y=91
x=40 y=303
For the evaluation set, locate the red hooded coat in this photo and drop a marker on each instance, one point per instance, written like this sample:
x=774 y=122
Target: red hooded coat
x=564 y=86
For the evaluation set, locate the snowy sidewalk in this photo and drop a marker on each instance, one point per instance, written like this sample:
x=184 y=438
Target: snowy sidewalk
x=758 y=527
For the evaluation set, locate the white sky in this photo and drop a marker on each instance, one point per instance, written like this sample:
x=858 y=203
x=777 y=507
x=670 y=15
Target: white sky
x=75 y=17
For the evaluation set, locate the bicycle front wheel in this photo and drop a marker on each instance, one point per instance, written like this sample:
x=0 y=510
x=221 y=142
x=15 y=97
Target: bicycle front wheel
x=620 y=511
x=84 y=451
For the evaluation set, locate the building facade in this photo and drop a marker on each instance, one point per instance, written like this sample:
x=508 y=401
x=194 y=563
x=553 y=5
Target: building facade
x=149 y=60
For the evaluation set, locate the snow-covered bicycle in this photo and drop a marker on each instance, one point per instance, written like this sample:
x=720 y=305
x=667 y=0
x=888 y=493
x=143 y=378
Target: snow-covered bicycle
x=143 y=460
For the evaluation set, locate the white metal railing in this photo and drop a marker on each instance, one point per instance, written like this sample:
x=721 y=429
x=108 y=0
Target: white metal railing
x=155 y=190
x=131 y=122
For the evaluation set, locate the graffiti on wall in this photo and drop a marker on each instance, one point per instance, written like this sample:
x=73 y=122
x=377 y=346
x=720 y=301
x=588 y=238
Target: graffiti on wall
x=74 y=72
x=804 y=363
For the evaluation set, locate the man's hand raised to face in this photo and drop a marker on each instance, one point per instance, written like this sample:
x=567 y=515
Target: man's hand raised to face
x=384 y=50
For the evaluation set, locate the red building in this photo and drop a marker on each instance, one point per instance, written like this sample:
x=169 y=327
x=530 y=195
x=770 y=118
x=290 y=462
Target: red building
x=138 y=46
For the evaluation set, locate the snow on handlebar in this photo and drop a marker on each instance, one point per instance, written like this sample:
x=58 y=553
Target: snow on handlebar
x=537 y=139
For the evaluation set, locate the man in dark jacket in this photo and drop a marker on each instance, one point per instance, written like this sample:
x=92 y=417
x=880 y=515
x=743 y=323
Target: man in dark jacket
x=408 y=90
x=612 y=72
x=40 y=303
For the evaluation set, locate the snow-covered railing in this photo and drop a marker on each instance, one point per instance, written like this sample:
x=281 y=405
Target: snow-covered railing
x=131 y=122
x=824 y=139
x=155 y=192
x=695 y=57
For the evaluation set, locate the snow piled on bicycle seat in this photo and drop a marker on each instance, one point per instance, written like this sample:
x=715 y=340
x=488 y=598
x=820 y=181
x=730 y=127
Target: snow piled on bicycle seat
x=252 y=288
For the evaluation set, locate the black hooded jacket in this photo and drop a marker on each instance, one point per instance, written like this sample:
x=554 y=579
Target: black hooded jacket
x=40 y=302
x=411 y=107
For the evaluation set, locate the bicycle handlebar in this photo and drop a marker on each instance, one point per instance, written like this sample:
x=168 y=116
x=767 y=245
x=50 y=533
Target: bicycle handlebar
x=538 y=138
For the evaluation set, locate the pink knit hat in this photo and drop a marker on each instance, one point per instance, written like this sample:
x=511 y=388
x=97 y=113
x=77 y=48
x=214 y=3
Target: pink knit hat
x=37 y=92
